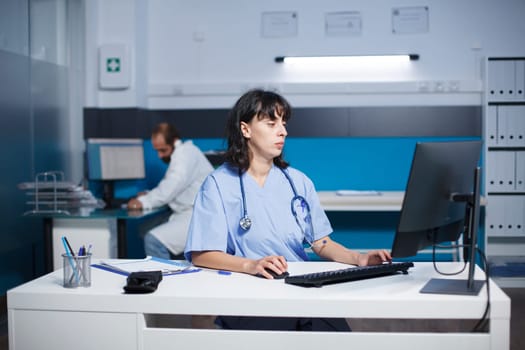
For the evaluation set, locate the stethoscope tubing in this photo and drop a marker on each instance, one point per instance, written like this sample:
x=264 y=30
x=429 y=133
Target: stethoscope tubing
x=245 y=222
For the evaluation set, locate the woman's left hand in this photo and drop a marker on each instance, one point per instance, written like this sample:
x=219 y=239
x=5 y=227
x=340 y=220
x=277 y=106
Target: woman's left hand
x=374 y=257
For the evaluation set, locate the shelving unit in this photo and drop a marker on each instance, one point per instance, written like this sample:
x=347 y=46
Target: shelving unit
x=504 y=180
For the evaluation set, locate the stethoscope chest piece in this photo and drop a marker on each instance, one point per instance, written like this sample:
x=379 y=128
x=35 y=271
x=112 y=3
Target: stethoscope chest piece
x=245 y=223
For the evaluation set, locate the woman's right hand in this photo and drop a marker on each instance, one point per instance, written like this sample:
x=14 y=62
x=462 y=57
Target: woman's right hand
x=223 y=261
x=274 y=263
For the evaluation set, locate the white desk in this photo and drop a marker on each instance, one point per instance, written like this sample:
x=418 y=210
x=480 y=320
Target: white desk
x=44 y=315
x=385 y=201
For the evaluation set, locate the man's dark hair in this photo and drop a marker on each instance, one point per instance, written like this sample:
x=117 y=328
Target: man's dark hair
x=168 y=131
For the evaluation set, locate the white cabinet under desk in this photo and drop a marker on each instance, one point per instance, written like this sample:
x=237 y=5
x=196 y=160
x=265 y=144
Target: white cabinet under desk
x=44 y=315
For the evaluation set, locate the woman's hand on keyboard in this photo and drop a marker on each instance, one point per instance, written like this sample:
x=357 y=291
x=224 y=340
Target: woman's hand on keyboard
x=374 y=257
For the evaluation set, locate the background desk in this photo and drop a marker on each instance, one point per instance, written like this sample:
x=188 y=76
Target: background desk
x=43 y=314
x=90 y=227
x=386 y=201
x=367 y=222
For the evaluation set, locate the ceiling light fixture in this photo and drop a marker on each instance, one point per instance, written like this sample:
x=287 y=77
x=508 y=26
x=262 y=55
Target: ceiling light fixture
x=321 y=60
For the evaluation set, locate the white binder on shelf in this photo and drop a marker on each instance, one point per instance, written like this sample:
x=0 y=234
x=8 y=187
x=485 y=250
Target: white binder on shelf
x=514 y=215
x=509 y=80
x=508 y=168
x=521 y=229
x=520 y=125
x=520 y=173
x=495 y=80
x=491 y=173
x=494 y=216
x=520 y=80
x=507 y=218
x=491 y=136
x=501 y=171
x=514 y=115
x=503 y=132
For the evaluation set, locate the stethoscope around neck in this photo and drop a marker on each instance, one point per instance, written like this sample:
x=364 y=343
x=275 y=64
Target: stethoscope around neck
x=246 y=223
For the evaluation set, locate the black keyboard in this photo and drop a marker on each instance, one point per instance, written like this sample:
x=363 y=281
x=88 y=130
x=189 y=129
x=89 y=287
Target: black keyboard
x=318 y=279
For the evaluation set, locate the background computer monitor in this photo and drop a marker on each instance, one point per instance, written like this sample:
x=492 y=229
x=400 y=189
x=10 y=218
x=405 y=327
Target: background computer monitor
x=109 y=160
x=441 y=203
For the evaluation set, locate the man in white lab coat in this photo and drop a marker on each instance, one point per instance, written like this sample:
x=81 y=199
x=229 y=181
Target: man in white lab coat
x=188 y=167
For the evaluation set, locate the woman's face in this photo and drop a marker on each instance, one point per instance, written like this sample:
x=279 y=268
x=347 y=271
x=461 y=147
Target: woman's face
x=265 y=137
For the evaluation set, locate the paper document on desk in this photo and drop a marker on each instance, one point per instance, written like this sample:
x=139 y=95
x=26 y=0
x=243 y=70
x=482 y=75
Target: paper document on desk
x=357 y=193
x=168 y=267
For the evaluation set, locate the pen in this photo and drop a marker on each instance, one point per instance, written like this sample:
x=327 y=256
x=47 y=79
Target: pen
x=68 y=250
x=68 y=246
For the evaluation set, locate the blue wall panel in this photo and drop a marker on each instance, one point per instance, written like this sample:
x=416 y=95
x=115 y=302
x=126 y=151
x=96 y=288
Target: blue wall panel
x=333 y=163
x=355 y=163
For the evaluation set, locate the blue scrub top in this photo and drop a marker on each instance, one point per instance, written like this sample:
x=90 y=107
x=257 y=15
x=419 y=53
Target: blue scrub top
x=274 y=230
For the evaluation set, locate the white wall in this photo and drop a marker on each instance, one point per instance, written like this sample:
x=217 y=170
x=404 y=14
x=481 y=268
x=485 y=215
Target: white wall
x=199 y=54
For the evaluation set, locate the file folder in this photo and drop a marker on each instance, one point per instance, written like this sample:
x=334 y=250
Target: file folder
x=516 y=210
x=519 y=115
x=503 y=132
x=504 y=216
x=492 y=126
x=520 y=80
x=501 y=167
x=494 y=220
x=520 y=173
x=514 y=124
x=502 y=77
x=495 y=79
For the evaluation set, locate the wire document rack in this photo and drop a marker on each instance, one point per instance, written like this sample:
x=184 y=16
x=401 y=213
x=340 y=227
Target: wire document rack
x=51 y=194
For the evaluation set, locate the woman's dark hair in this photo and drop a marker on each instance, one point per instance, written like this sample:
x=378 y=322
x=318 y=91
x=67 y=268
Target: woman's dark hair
x=254 y=103
x=168 y=132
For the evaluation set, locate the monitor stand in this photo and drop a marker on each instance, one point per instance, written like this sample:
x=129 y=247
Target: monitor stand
x=450 y=286
x=108 y=192
x=108 y=195
x=461 y=286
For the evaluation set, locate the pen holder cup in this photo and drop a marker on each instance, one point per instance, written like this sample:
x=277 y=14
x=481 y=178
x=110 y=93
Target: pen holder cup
x=77 y=270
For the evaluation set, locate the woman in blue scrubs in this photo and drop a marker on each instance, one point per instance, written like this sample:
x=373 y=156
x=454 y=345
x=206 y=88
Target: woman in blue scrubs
x=255 y=213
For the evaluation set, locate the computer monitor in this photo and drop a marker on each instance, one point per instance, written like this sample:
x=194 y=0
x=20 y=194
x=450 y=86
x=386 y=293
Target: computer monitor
x=114 y=159
x=441 y=203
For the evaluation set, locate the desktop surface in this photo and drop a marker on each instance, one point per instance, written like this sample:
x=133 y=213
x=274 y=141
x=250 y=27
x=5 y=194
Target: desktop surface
x=53 y=315
x=241 y=294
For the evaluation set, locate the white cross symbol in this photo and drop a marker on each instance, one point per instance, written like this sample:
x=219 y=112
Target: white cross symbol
x=113 y=64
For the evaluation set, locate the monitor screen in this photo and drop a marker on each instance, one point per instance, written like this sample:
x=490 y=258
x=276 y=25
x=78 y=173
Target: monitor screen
x=441 y=203
x=429 y=215
x=115 y=159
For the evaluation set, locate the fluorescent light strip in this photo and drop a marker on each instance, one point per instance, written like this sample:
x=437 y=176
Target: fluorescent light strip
x=323 y=60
